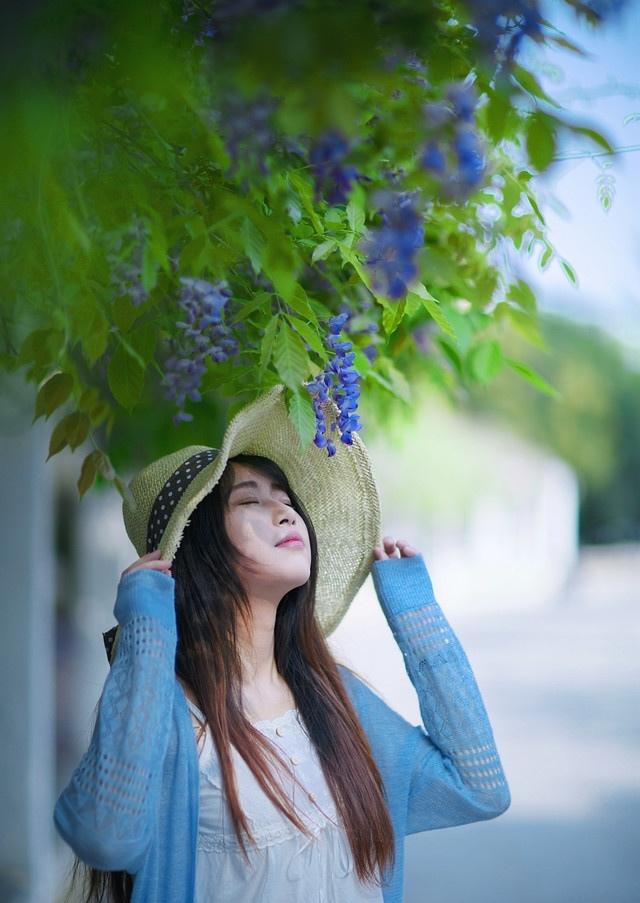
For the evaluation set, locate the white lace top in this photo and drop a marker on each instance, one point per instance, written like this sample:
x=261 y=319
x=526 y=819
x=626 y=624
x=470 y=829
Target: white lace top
x=286 y=865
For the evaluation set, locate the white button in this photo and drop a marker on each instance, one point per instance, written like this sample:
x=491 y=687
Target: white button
x=296 y=760
x=279 y=731
x=312 y=797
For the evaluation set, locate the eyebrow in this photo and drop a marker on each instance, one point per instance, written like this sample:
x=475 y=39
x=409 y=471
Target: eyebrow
x=254 y=485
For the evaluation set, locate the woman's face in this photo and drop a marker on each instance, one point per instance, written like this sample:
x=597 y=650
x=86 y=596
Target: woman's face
x=258 y=517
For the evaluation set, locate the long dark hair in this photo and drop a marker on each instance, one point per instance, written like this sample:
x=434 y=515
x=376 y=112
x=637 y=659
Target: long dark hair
x=209 y=598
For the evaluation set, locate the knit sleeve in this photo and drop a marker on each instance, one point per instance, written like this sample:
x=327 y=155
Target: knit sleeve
x=457 y=775
x=107 y=810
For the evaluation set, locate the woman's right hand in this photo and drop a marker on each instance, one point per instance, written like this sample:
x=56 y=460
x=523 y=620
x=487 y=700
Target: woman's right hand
x=151 y=561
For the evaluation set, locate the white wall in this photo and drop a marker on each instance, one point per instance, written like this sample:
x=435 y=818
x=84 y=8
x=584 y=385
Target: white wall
x=27 y=701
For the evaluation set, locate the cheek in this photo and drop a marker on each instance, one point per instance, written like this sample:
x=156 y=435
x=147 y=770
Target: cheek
x=243 y=530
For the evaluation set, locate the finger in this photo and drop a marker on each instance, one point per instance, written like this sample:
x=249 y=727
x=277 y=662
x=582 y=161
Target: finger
x=158 y=565
x=406 y=548
x=390 y=546
x=149 y=565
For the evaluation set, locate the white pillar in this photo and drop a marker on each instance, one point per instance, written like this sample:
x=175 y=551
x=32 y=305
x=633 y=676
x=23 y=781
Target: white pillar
x=27 y=700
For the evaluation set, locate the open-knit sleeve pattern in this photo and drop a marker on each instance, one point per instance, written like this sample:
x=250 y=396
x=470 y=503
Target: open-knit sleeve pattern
x=457 y=775
x=107 y=810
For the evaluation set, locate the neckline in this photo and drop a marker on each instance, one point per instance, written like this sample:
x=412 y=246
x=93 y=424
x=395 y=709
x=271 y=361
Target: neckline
x=263 y=722
x=267 y=722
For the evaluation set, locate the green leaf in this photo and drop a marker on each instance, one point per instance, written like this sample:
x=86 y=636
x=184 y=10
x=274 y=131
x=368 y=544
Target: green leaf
x=124 y=313
x=451 y=352
x=157 y=240
x=530 y=83
x=91 y=466
x=308 y=334
x=52 y=394
x=323 y=250
x=305 y=192
x=143 y=340
x=299 y=301
x=350 y=256
x=149 y=274
x=254 y=243
x=289 y=357
x=266 y=346
x=91 y=403
x=94 y=344
x=485 y=360
x=498 y=109
x=569 y=271
x=527 y=324
x=260 y=301
x=303 y=418
x=562 y=41
x=535 y=207
x=355 y=216
x=281 y=266
x=541 y=140
x=90 y=325
x=433 y=307
x=41 y=347
x=125 y=376
x=545 y=257
x=333 y=217
x=392 y=316
x=72 y=430
x=395 y=381
x=522 y=293
x=594 y=135
x=533 y=378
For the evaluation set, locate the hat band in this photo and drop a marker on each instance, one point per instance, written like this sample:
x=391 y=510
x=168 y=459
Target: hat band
x=172 y=492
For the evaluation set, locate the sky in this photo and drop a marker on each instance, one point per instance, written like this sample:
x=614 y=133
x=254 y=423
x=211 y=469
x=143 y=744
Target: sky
x=600 y=91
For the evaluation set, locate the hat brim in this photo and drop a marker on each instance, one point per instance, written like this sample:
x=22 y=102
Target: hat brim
x=339 y=493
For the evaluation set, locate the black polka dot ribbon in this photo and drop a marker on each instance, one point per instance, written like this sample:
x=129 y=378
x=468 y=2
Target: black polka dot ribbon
x=172 y=491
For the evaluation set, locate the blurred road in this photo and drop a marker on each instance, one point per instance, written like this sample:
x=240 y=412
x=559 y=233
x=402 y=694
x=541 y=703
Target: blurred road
x=562 y=689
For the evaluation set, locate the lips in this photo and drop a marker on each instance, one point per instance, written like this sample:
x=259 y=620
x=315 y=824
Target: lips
x=289 y=538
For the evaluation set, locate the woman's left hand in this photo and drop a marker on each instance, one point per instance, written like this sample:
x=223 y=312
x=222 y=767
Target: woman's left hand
x=392 y=548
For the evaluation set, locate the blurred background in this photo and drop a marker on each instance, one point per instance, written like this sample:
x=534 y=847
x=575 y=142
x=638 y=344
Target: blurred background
x=527 y=512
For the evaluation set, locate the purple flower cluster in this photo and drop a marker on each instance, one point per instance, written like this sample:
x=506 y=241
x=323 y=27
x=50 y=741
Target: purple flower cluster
x=204 y=334
x=125 y=260
x=248 y=131
x=502 y=25
x=391 y=249
x=340 y=380
x=354 y=317
x=454 y=152
x=333 y=178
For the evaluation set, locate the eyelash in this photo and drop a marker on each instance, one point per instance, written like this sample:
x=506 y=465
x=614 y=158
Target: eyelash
x=257 y=502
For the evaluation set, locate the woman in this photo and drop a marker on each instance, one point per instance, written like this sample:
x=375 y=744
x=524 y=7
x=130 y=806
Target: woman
x=233 y=759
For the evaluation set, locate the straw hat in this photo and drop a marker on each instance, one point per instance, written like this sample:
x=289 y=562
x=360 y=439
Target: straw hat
x=339 y=493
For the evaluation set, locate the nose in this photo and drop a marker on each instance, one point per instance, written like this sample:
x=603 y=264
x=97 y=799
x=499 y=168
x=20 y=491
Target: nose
x=286 y=514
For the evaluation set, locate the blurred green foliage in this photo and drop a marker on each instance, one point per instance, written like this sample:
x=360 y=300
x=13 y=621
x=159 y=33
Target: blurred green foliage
x=117 y=158
x=595 y=425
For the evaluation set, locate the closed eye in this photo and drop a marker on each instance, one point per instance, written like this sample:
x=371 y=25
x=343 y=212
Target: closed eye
x=257 y=502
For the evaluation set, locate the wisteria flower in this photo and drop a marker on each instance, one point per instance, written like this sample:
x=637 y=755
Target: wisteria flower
x=333 y=178
x=391 y=249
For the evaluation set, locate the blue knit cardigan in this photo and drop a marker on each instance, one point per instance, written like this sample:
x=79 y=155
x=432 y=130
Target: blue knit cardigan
x=132 y=801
